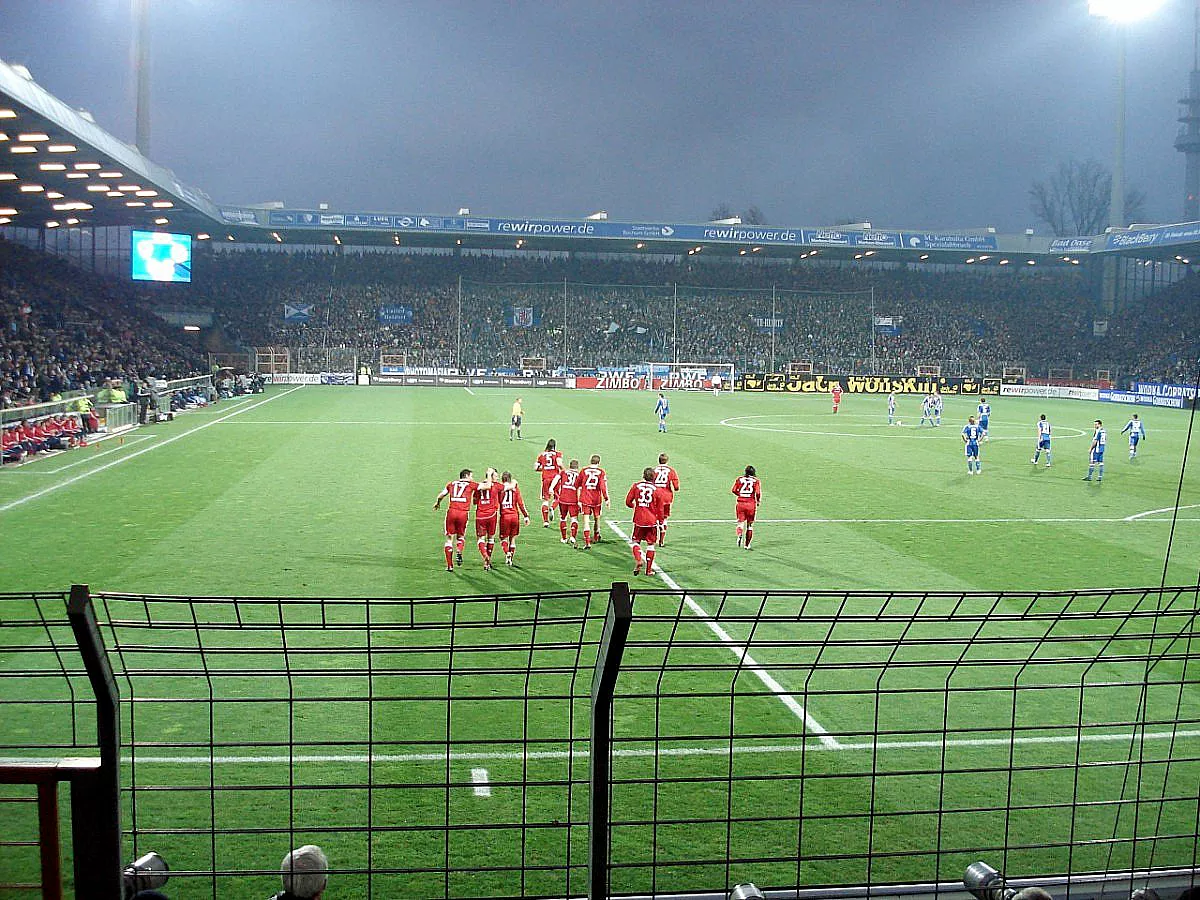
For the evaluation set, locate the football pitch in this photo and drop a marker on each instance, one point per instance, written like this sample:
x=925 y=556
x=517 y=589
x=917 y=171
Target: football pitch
x=911 y=732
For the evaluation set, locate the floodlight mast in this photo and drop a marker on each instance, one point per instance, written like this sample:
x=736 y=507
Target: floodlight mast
x=141 y=70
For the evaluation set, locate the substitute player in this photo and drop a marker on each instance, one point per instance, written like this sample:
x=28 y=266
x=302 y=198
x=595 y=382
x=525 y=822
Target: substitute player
x=891 y=409
x=487 y=516
x=748 y=490
x=837 y=396
x=645 y=498
x=666 y=478
x=971 y=434
x=549 y=463
x=565 y=490
x=461 y=491
x=984 y=409
x=593 y=491
x=518 y=416
x=1096 y=453
x=1137 y=431
x=662 y=409
x=1043 y=441
x=512 y=511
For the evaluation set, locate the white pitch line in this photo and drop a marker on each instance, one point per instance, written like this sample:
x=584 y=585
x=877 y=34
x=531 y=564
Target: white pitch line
x=89 y=457
x=742 y=653
x=1165 y=509
x=480 y=777
x=996 y=521
x=472 y=393
x=21 y=501
x=635 y=753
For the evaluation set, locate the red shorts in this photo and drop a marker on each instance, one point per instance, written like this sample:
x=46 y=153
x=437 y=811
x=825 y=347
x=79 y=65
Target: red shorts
x=746 y=511
x=647 y=533
x=456 y=522
x=486 y=527
x=546 y=482
x=568 y=508
x=510 y=526
x=666 y=509
x=590 y=509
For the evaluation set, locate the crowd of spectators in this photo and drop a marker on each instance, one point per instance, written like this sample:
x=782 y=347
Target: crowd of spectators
x=63 y=329
x=613 y=312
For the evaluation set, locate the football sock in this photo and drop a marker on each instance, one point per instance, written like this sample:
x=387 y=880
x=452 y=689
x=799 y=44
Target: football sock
x=574 y=527
x=449 y=554
x=562 y=526
x=637 y=554
x=749 y=536
x=483 y=549
x=545 y=512
x=649 y=560
x=459 y=546
x=738 y=531
x=504 y=546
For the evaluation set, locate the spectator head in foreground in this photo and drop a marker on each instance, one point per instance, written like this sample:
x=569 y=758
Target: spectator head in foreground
x=304 y=872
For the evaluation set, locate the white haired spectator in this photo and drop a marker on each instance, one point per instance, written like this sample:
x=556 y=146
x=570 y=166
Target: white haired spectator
x=305 y=872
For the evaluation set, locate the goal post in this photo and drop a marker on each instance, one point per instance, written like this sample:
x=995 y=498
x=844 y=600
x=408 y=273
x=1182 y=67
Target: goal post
x=689 y=376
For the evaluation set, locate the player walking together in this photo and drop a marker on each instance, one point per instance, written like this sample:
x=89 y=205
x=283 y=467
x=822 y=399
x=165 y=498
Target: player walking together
x=985 y=411
x=549 y=463
x=565 y=490
x=837 y=396
x=487 y=516
x=971 y=434
x=593 y=491
x=662 y=409
x=518 y=415
x=1043 y=441
x=461 y=491
x=512 y=510
x=1096 y=453
x=645 y=498
x=1137 y=431
x=666 y=478
x=748 y=490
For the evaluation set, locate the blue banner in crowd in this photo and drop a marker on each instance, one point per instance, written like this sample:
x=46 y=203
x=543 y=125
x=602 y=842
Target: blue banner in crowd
x=522 y=316
x=395 y=315
x=297 y=312
x=767 y=324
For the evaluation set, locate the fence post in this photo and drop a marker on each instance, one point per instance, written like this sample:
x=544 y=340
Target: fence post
x=604 y=682
x=96 y=799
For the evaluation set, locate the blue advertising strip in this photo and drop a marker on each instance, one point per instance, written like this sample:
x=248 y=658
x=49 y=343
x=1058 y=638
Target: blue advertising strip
x=927 y=241
x=235 y=215
x=1154 y=389
x=1141 y=399
x=1071 y=245
x=1187 y=233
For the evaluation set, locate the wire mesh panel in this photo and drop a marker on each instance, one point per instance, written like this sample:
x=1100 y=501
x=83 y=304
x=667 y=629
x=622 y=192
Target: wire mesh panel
x=431 y=748
x=800 y=739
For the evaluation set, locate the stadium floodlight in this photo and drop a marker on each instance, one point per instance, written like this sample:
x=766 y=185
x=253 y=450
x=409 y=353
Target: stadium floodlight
x=1123 y=11
x=746 y=891
x=985 y=883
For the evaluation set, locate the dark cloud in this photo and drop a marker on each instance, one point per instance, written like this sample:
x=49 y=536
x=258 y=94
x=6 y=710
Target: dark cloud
x=918 y=113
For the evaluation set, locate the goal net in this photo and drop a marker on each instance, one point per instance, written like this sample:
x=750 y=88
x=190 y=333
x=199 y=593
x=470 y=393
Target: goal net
x=689 y=376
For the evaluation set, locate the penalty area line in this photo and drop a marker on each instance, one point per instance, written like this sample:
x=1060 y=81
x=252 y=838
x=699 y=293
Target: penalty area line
x=742 y=652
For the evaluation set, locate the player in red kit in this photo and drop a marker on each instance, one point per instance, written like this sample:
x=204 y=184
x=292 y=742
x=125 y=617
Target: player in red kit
x=837 y=396
x=748 y=490
x=487 y=516
x=512 y=510
x=593 y=491
x=667 y=479
x=461 y=491
x=646 y=499
x=565 y=490
x=549 y=462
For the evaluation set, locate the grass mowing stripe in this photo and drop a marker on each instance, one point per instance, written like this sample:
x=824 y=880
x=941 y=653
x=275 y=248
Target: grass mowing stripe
x=21 y=501
x=649 y=752
x=742 y=653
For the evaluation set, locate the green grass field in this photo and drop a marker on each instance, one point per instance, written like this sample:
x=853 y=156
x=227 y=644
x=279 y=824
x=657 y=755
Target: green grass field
x=326 y=492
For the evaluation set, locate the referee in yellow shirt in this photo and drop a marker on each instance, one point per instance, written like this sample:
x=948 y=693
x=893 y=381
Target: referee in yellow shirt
x=518 y=414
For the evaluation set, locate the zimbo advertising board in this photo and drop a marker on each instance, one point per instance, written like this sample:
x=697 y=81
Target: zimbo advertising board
x=779 y=383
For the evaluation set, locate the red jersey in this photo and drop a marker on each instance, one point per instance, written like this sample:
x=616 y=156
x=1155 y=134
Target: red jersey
x=548 y=463
x=566 y=486
x=487 y=500
x=837 y=393
x=593 y=486
x=646 y=500
x=747 y=489
x=510 y=501
x=461 y=491
x=665 y=478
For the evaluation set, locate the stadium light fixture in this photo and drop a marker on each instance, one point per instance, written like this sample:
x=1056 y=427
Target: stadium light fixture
x=1004 y=262
x=31 y=189
x=160 y=221
x=98 y=188
x=77 y=174
x=146 y=193
x=3 y=136
x=134 y=204
x=54 y=195
x=162 y=204
x=638 y=246
x=191 y=327
x=1031 y=262
x=114 y=194
x=7 y=114
x=62 y=148
x=1123 y=11
x=924 y=256
x=756 y=249
x=113 y=175
x=129 y=187
x=72 y=221
x=87 y=167
x=229 y=237
x=872 y=253
x=17 y=148
x=742 y=252
x=7 y=211
x=33 y=137
x=4 y=220
x=52 y=224
x=203 y=236
x=860 y=256
x=7 y=176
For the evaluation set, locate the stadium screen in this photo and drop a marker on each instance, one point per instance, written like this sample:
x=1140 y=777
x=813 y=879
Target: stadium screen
x=159 y=256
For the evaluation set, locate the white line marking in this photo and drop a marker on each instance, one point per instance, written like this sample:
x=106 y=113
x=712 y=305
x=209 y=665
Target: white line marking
x=88 y=457
x=1165 y=509
x=21 y=501
x=472 y=393
x=480 y=777
x=997 y=521
x=741 y=652
x=911 y=431
x=634 y=753
x=427 y=423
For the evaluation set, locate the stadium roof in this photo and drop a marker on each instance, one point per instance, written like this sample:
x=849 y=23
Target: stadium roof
x=58 y=168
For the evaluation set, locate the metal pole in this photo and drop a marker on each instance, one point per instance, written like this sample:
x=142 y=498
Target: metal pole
x=604 y=683
x=458 y=343
x=773 y=328
x=674 y=328
x=564 y=334
x=141 y=69
x=872 y=329
x=1116 y=207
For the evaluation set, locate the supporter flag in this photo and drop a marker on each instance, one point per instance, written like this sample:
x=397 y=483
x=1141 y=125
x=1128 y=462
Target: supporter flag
x=612 y=328
x=1100 y=328
x=522 y=317
x=888 y=324
x=297 y=312
x=395 y=315
x=767 y=323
